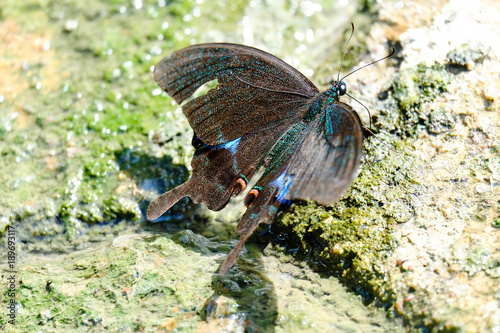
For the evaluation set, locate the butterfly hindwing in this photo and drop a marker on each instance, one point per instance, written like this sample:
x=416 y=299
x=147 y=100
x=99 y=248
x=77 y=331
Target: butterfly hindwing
x=254 y=91
x=219 y=172
x=264 y=199
x=263 y=209
x=327 y=160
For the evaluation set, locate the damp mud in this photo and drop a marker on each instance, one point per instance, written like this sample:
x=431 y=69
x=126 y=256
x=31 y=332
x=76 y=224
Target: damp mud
x=87 y=140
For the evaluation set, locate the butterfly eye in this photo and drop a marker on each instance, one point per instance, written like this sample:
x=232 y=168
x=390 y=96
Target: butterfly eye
x=342 y=89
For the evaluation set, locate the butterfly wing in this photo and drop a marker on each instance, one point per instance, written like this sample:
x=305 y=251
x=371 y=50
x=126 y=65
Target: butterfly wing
x=255 y=89
x=220 y=172
x=326 y=163
x=257 y=99
x=269 y=192
x=263 y=209
x=241 y=124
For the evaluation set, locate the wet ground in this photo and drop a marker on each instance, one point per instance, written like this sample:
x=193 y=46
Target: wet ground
x=88 y=139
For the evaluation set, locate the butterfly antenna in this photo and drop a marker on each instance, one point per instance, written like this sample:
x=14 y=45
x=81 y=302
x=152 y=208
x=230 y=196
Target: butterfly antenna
x=345 y=51
x=379 y=139
x=369 y=114
x=371 y=63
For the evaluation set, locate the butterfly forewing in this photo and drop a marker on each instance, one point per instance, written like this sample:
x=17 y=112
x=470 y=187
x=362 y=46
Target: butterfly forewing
x=255 y=89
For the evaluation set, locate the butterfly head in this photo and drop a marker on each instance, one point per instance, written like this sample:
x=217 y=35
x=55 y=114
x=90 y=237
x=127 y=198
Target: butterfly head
x=338 y=88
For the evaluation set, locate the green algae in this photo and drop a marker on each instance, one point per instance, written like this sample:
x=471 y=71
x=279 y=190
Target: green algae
x=93 y=138
x=134 y=284
x=91 y=131
x=100 y=162
x=88 y=108
x=145 y=282
x=411 y=88
x=415 y=86
x=466 y=56
x=352 y=238
x=98 y=102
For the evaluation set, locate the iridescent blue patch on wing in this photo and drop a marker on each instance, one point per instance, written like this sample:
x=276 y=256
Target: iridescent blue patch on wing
x=279 y=181
x=284 y=185
x=232 y=146
x=285 y=204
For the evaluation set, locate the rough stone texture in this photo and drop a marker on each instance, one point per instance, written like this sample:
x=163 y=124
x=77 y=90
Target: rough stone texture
x=444 y=272
x=418 y=233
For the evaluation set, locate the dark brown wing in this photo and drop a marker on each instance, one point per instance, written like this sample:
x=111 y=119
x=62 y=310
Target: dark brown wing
x=269 y=191
x=255 y=89
x=326 y=163
x=263 y=209
x=219 y=172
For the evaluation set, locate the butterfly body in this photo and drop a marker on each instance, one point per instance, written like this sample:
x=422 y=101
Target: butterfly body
x=262 y=114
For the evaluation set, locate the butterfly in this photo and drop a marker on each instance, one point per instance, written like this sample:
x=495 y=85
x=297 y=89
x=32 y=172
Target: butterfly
x=263 y=114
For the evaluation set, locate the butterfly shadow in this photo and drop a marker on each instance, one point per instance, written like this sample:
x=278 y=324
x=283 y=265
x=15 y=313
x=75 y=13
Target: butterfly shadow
x=154 y=175
x=244 y=294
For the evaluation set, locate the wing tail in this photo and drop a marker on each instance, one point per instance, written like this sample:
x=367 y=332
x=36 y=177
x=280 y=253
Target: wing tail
x=165 y=201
